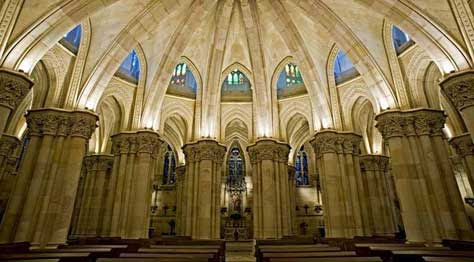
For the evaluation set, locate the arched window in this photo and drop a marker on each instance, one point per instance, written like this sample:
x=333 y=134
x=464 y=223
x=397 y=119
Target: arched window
x=72 y=39
x=343 y=68
x=182 y=82
x=401 y=40
x=301 y=167
x=130 y=68
x=290 y=82
x=236 y=87
x=169 y=167
x=236 y=170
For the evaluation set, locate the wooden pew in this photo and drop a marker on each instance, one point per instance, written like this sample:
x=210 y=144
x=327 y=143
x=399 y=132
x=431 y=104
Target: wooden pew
x=329 y=259
x=363 y=249
x=61 y=256
x=162 y=256
x=417 y=255
x=14 y=247
x=448 y=259
x=269 y=257
x=458 y=244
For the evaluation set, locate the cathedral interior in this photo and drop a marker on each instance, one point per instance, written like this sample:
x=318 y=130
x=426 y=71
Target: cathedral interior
x=236 y=120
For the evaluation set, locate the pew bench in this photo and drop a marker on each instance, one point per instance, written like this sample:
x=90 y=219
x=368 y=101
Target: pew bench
x=268 y=257
x=417 y=255
x=448 y=259
x=329 y=259
x=47 y=256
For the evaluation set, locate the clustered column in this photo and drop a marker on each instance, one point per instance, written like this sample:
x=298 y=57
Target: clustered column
x=465 y=149
x=431 y=205
x=14 y=86
x=8 y=162
x=128 y=202
x=93 y=187
x=201 y=195
x=180 y=171
x=271 y=189
x=292 y=190
x=342 y=187
x=459 y=88
x=41 y=204
x=377 y=188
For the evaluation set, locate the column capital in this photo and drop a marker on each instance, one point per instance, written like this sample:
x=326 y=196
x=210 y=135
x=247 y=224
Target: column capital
x=8 y=145
x=459 y=88
x=205 y=149
x=463 y=144
x=374 y=162
x=59 y=122
x=268 y=149
x=98 y=162
x=332 y=141
x=141 y=141
x=414 y=122
x=14 y=86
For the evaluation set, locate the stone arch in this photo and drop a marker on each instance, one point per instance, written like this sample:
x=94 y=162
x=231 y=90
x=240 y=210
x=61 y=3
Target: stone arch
x=174 y=130
x=441 y=47
x=26 y=50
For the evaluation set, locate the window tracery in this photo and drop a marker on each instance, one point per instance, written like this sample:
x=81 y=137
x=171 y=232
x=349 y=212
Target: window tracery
x=301 y=168
x=169 y=167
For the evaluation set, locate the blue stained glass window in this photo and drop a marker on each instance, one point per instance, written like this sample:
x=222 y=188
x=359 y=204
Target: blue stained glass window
x=130 y=67
x=401 y=40
x=301 y=168
x=343 y=68
x=289 y=76
x=235 y=177
x=72 y=39
x=169 y=167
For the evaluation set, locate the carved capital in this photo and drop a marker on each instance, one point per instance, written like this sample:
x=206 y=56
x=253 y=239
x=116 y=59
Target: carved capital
x=331 y=141
x=14 y=86
x=459 y=88
x=8 y=145
x=83 y=124
x=98 y=162
x=57 y=122
x=374 y=163
x=142 y=141
x=463 y=145
x=269 y=149
x=205 y=149
x=418 y=122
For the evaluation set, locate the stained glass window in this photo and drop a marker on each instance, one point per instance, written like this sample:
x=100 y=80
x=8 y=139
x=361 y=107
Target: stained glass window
x=236 y=78
x=301 y=168
x=130 y=67
x=235 y=176
x=72 y=39
x=401 y=40
x=169 y=167
x=236 y=87
x=183 y=77
x=289 y=76
x=343 y=68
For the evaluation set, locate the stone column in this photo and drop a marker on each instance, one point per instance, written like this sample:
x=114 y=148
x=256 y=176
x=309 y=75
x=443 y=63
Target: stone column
x=375 y=176
x=292 y=195
x=459 y=88
x=271 y=189
x=128 y=202
x=8 y=161
x=465 y=150
x=345 y=207
x=180 y=203
x=14 y=86
x=41 y=204
x=202 y=190
x=431 y=206
x=92 y=189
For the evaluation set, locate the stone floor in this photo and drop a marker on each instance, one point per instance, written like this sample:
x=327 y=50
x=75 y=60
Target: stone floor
x=240 y=251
